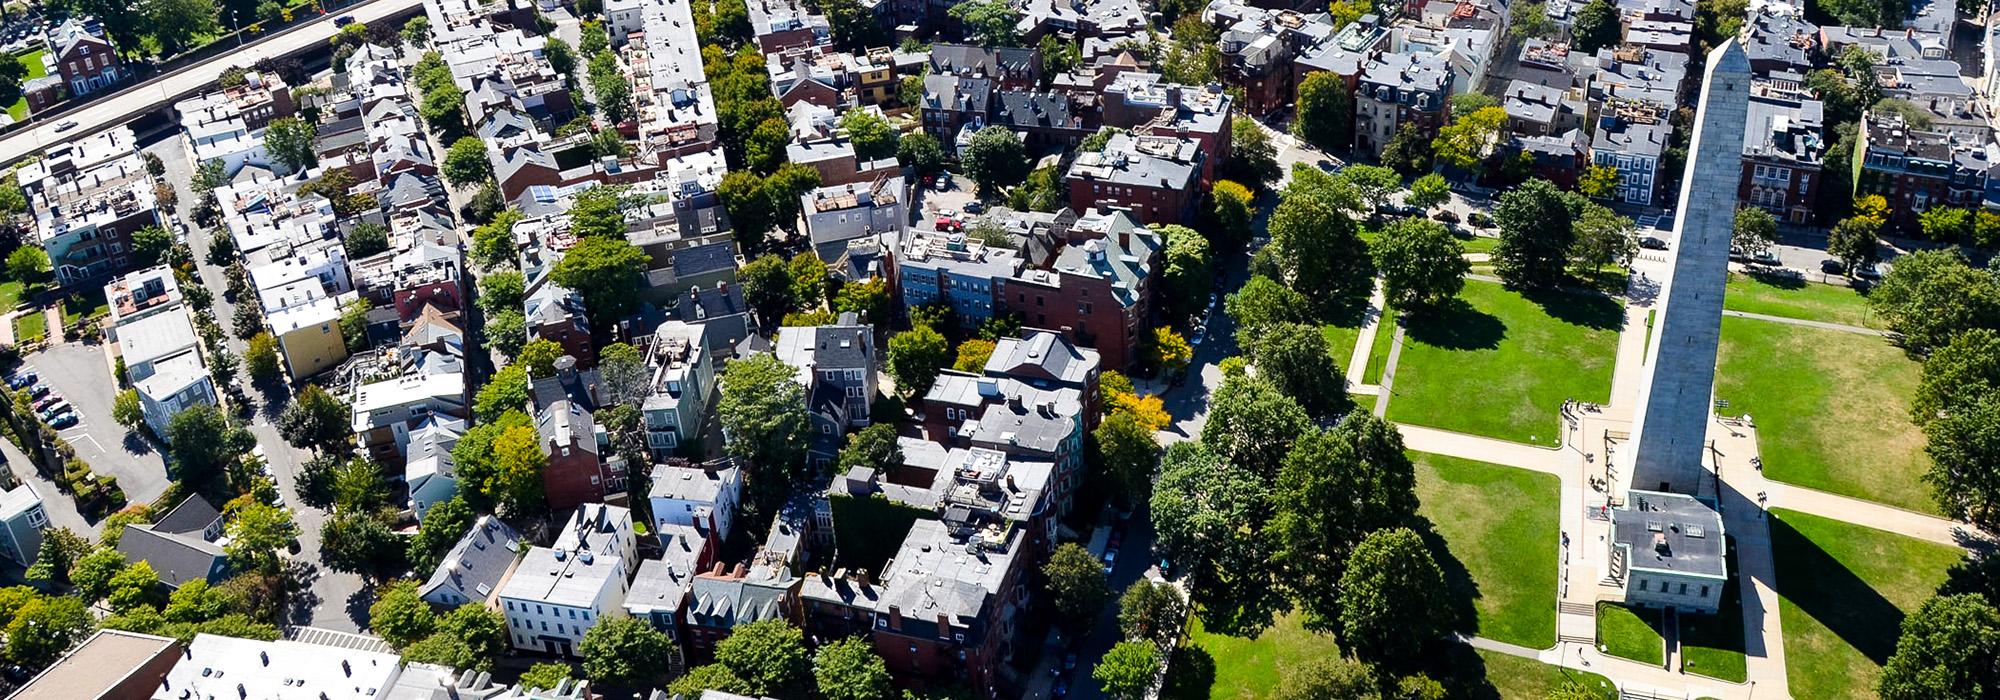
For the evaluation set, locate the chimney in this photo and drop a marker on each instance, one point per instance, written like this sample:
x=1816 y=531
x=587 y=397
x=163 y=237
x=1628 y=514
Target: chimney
x=896 y=617
x=944 y=626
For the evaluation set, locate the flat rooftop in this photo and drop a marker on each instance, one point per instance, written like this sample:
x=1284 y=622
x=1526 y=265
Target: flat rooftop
x=1670 y=532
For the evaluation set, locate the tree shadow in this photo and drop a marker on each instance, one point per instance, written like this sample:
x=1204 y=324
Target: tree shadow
x=1455 y=325
x=1191 y=675
x=358 y=603
x=1587 y=309
x=1834 y=595
x=136 y=444
x=1782 y=279
x=274 y=395
x=1459 y=586
x=300 y=598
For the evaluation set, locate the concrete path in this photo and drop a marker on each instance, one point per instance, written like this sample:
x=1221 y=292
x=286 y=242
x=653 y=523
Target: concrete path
x=1870 y=514
x=1371 y=323
x=1628 y=373
x=53 y=315
x=1822 y=325
x=1483 y=449
x=1388 y=386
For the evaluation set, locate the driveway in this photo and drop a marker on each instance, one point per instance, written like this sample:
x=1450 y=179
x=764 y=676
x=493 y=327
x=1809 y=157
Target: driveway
x=81 y=373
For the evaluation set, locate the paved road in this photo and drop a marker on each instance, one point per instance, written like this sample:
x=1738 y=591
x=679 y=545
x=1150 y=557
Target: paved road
x=137 y=99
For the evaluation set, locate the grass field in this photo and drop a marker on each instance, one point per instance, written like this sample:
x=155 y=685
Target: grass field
x=1843 y=590
x=10 y=294
x=1221 y=667
x=1340 y=338
x=1479 y=244
x=1797 y=298
x=1832 y=409
x=1497 y=528
x=90 y=303
x=1500 y=364
x=1632 y=633
x=1378 y=352
x=30 y=327
x=1712 y=645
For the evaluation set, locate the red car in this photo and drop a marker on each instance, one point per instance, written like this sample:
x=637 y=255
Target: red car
x=946 y=223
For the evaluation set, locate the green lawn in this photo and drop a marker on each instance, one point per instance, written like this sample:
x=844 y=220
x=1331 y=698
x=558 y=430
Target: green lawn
x=90 y=303
x=10 y=294
x=1497 y=530
x=1479 y=244
x=30 y=327
x=1843 y=590
x=1220 y=667
x=1632 y=633
x=1378 y=352
x=1712 y=645
x=1500 y=365
x=1832 y=409
x=1797 y=298
x=1340 y=338
x=31 y=60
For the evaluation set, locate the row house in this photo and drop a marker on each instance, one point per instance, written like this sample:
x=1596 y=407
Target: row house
x=839 y=216
x=1534 y=109
x=1915 y=169
x=1783 y=152
x=398 y=391
x=679 y=387
x=829 y=78
x=676 y=107
x=836 y=365
x=83 y=56
x=1008 y=68
x=557 y=593
x=1153 y=177
x=1146 y=105
x=1259 y=46
x=1781 y=41
x=662 y=588
x=702 y=496
x=87 y=198
x=819 y=143
x=1045 y=120
x=776 y=25
x=473 y=569
x=299 y=284
x=227 y=125
x=163 y=362
x=1398 y=90
x=1090 y=20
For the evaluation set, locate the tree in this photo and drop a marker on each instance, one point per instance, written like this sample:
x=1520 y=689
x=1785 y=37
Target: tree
x=314 y=418
x=539 y=357
x=1852 y=242
x=1408 y=152
x=506 y=391
x=1429 y=191
x=90 y=576
x=544 y=676
x=1950 y=648
x=27 y=264
x=441 y=528
x=1535 y=236
x=256 y=532
x=260 y=356
x=1322 y=254
x=1931 y=296
x=126 y=410
x=769 y=655
x=996 y=157
x=359 y=543
x=136 y=586
x=1422 y=264
x=1946 y=224
x=873 y=137
x=417 y=31
x=607 y=272
x=598 y=212
x=849 y=669
x=1128 y=455
x=625 y=651
x=150 y=243
x=1252 y=424
x=1755 y=232
x=195 y=601
x=465 y=162
x=915 y=357
x=989 y=22
x=400 y=616
x=1192 y=56
x=765 y=424
x=874 y=447
x=1531 y=21
x=507 y=331
x=920 y=152
x=1325 y=112
x=1231 y=212
x=869 y=298
x=1957 y=375
x=175 y=23
x=44 y=628
x=1963 y=446
x=1602 y=239
x=1166 y=350
x=807 y=274
x=1261 y=303
x=1597 y=26
x=1598 y=181
x=767 y=286
x=1373 y=183
x=608 y=83
x=1334 y=487
x=1295 y=359
x=1208 y=515
x=714 y=677
x=1185 y=275
x=1328 y=678
x=1076 y=582
x=1151 y=610
x=290 y=142
x=1126 y=672
x=516 y=481
x=1392 y=598
x=1253 y=158
x=1466 y=141
x=202 y=441
x=973 y=354
x=367 y=238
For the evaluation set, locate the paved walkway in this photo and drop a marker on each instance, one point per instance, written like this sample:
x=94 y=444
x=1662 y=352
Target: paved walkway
x=1483 y=449
x=1371 y=323
x=1822 y=325
x=1870 y=514
x=1388 y=386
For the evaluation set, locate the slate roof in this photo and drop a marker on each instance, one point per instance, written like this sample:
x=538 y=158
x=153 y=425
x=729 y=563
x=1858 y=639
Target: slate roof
x=478 y=561
x=176 y=558
x=1042 y=353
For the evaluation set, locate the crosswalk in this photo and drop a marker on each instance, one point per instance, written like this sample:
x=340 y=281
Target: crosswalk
x=335 y=638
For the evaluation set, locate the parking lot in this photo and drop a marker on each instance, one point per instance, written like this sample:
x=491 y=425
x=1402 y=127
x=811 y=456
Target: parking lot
x=933 y=201
x=80 y=373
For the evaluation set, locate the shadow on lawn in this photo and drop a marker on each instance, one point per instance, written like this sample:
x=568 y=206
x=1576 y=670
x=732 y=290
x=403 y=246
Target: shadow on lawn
x=1456 y=325
x=1594 y=311
x=1190 y=676
x=1781 y=280
x=1458 y=580
x=1827 y=591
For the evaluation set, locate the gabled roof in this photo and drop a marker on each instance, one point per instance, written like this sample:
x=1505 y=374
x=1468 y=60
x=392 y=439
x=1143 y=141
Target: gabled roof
x=479 y=561
x=176 y=558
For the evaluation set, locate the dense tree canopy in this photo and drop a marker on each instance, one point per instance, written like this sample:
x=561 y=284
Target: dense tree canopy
x=1392 y=598
x=763 y=415
x=1950 y=648
x=1535 y=236
x=1422 y=264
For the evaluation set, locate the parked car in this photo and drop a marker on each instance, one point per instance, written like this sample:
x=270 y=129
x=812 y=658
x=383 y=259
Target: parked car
x=1868 y=272
x=343 y=20
x=52 y=399
x=1110 y=559
x=65 y=125
x=1765 y=257
x=1737 y=254
x=1447 y=216
x=22 y=380
x=50 y=415
x=1652 y=243
x=946 y=223
x=943 y=182
x=1832 y=267
x=63 y=421
x=974 y=207
x=1328 y=166
x=38 y=390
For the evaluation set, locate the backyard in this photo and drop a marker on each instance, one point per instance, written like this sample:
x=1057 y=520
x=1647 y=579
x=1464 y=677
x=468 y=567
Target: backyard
x=1495 y=531
x=30 y=327
x=1843 y=590
x=1831 y=408
x=1792 y=297
x=32 y=60
x=1500 y=364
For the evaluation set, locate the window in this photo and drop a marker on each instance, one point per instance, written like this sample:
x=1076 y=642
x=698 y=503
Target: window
x=1684 y=589
x=1704 y=591
x=1642 y=584
x=510 y=606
